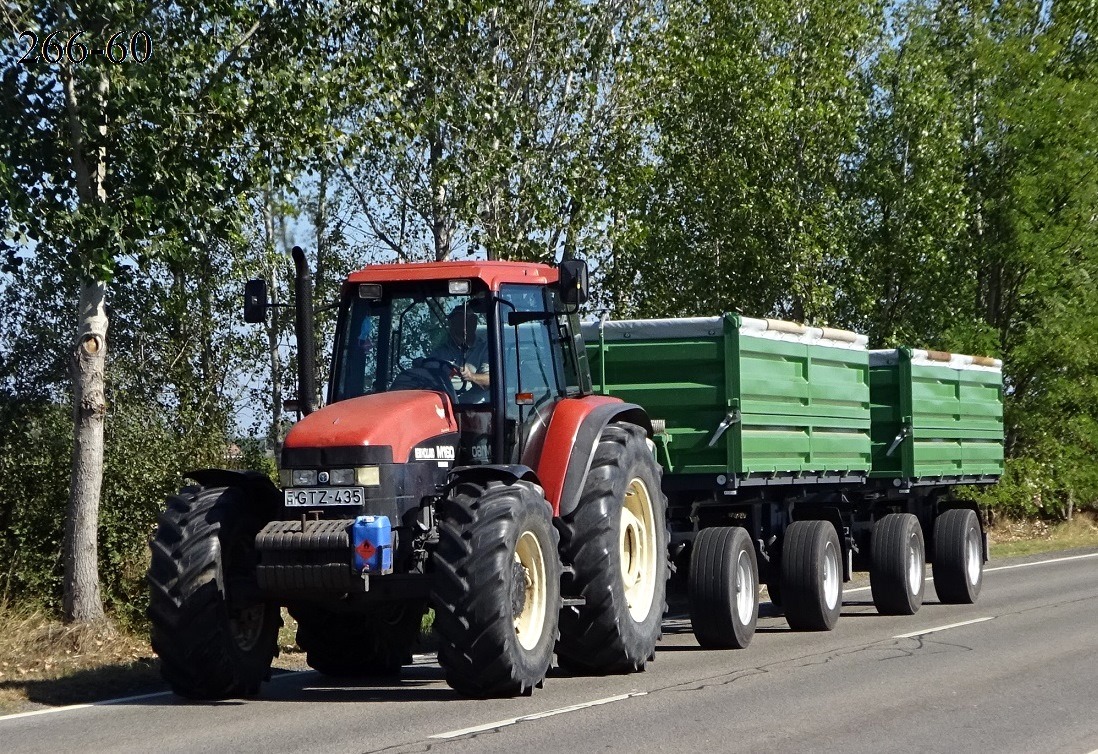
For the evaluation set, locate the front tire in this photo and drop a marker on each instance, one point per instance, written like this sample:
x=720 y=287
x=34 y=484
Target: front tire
x=812 y=578
x=496 y=591
x=214 y=635
x=958 y=557
x=724 y=588
x=377 y=643
x=897 y=570
x=616 y=542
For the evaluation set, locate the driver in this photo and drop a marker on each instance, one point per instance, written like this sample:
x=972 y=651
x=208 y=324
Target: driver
x=464 y=348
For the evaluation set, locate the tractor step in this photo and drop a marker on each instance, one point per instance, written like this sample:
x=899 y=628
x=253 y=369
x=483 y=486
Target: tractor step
x=573 y=601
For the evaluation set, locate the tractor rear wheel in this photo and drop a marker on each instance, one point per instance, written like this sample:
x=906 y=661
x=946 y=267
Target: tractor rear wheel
x=496 y=590
x=351 y=644
x=214 y=635
x=616 y=542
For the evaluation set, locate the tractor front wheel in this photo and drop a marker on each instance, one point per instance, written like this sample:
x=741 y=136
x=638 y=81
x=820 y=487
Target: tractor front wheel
x=496 y=591
x=214 y=635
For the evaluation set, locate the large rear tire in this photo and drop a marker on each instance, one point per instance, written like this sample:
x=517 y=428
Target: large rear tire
x=897 y=571
x=724 y=588
x=214 y=635
x=378 y=643
x=958 y=557
x=812 y=577
x=616 y=543
x=496 y=592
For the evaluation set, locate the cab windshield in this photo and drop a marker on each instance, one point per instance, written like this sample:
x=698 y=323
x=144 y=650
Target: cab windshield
x=415 y=336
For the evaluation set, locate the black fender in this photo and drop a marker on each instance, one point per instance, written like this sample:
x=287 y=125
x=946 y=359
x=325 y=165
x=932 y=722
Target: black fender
x=508 y=473
x=257 y=486
x=587 y=438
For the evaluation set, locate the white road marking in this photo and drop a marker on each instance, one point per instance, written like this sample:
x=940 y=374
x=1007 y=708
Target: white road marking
x=537 y=715
x=943 y=628
x=69 y=708
x=1005 y=568
x=1042 y=562
x=121 y=700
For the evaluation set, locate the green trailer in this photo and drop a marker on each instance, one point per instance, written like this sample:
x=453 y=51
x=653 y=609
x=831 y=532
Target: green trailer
x=751 y=400
x=793 y=455
x=936 y=416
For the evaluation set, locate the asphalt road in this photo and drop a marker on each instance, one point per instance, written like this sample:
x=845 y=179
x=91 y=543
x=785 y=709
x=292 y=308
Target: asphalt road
x=1016 y=672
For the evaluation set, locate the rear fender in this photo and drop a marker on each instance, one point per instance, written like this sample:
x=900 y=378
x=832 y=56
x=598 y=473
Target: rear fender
x=259 y=488
x=570 y=442
x=508 y=473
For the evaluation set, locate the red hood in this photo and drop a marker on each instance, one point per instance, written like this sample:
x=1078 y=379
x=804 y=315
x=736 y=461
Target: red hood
x=400 y=419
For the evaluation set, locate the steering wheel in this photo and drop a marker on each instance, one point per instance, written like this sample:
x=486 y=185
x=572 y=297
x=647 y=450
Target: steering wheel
x=449 y=370
x=432 y=373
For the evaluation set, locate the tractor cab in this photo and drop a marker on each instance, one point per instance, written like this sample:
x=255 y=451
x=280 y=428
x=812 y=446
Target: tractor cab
x=496 y=340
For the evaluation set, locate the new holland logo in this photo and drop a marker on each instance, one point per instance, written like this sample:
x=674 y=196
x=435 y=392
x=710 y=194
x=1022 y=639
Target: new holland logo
x=437 y=453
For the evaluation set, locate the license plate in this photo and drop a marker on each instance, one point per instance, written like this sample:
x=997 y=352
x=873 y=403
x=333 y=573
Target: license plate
x=303 y=496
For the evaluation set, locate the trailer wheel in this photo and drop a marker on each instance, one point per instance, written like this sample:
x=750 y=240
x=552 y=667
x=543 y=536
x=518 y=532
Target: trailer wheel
x=616 y=542
x=214 y=635
x=348 y=644
x=812 y=576
x=496 y=591
x=958 y=557
x=724 y=588
x=897 y=570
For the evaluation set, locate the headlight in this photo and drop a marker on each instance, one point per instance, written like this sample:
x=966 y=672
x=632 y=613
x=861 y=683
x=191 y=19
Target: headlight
x=368 y=476
x=303 y=477
x=342 y=477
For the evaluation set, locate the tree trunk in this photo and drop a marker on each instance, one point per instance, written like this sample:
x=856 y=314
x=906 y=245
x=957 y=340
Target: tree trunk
x=274 y=327
x=82 y=600
x=441 y=225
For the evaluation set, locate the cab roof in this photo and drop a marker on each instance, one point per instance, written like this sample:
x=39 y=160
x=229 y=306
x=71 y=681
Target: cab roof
x=494 y=274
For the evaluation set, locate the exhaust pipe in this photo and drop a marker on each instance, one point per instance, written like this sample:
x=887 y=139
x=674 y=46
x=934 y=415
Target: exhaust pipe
x=306 y=340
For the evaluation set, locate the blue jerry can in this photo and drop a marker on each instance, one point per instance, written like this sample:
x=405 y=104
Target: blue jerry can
x=372 y=540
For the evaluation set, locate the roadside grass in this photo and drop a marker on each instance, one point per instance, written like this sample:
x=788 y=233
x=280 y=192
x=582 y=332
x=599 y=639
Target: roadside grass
x=1010 y=538
x=44 y=663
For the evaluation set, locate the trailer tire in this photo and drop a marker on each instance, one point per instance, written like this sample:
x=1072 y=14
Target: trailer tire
x=496 y=591
x=616 y=543
x=897 y=571
x=724 y=588
x=346 y=645
x=214 y=635
x=812 y=576
x=958 y=557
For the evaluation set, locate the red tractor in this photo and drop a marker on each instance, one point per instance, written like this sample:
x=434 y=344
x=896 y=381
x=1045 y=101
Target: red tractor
x=461 y=463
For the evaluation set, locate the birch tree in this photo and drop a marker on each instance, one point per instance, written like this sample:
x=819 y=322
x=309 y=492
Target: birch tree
x=139 y=154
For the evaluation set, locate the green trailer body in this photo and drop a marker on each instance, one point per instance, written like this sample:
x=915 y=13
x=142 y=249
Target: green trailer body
x=752 y=398
x=936 y=416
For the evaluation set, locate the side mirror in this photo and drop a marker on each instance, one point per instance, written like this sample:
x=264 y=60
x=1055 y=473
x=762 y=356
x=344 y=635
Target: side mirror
x=573 y=282
x=255 y=300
